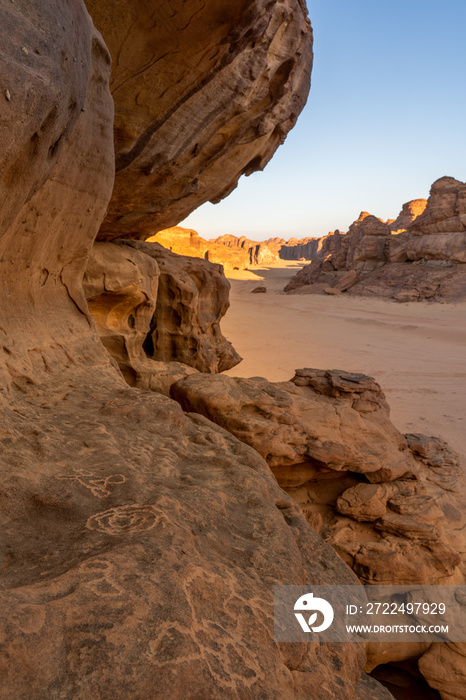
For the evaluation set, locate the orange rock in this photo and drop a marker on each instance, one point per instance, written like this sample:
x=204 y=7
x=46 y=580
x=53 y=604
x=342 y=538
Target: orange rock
x=431 y=234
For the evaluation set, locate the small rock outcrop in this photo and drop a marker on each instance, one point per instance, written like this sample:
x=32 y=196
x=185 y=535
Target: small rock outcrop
x=420 y=255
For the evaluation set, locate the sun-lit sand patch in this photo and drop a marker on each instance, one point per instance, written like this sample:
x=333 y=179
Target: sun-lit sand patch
x=283 y=270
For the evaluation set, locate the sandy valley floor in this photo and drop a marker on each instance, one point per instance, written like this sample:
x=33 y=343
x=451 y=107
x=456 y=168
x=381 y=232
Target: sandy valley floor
x=416 y=351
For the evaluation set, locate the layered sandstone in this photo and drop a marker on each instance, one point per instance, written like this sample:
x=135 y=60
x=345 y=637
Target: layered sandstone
x=139 y=545
x=421 y=255
x=383 y=500
x=210 y=93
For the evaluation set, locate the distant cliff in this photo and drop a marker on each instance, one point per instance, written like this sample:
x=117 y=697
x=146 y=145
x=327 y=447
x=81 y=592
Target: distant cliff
x=236 y=253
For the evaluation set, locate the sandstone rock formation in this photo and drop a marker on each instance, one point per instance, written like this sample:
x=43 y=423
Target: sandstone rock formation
x=389 y=504
x=151 y=304
x=233 y=252
x=210 y=93
x=409 y=211
x=421 y=255
x=121 y=286
x=273 y=249
x=188 y=242
x=329 y=441
x=139 y=546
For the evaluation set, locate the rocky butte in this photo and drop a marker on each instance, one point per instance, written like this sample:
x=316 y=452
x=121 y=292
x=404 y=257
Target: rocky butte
x=419 y=256
x=143 y=525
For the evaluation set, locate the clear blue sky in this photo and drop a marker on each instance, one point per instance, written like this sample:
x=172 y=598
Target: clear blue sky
x=386 y=116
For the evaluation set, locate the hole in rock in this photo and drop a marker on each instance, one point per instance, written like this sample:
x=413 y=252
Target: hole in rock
x=404 y=681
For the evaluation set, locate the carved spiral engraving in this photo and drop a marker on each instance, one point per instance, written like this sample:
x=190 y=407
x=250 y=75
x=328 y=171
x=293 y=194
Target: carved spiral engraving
x=124 y=519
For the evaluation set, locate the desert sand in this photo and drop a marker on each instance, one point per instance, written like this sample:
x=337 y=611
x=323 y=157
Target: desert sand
x=416 y=351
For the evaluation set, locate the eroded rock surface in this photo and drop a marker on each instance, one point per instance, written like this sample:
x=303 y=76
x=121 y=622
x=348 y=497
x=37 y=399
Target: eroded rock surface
x=385 y=502
x=210 y=93
x=121 y=287
x=158 y=313
x=389 y=504
x=192 y=298
x=116 y=579
x=421 y=255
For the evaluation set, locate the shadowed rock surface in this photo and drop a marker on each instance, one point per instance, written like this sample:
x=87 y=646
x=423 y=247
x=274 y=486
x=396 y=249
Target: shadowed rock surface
x=421 y=255
x=210 y=93
x=192 y=298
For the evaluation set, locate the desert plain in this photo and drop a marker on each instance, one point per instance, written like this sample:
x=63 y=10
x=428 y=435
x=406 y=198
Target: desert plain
x=414 y=350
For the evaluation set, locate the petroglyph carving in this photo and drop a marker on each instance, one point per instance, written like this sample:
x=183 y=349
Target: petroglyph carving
x=99 y=485
x=124 y=519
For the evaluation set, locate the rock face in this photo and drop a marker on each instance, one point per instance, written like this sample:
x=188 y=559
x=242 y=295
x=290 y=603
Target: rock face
x=421 y=255
x=272 y=250
x=389 y=504
x=121 y=286
x=210 y=93
x=384 y=501
x=192 y=298
x=139 y=546
x=150 y=304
